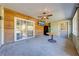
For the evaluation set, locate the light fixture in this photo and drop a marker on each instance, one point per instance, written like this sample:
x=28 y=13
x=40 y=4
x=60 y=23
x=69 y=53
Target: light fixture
x=45 y=14
x=44 y=17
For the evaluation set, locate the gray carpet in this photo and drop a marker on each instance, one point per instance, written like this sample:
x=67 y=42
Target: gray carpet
x=35 y=47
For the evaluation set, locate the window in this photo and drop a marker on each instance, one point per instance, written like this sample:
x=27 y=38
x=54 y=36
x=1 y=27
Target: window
x=24 y=29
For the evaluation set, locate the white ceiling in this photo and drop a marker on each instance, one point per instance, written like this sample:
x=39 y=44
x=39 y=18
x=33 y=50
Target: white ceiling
x=59 y=10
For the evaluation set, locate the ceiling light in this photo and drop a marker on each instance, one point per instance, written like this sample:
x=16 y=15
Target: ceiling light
x=45 y=14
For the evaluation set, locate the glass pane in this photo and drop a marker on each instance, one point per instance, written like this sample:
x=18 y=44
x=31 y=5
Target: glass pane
x=18 y=25
x=30 y=33
x=18 y=30
x=19 y=36
x=29 y=23
x=29 y=29
x=24 y=29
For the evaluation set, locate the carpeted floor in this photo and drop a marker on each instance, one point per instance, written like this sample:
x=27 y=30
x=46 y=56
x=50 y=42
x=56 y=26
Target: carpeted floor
x=35 y=47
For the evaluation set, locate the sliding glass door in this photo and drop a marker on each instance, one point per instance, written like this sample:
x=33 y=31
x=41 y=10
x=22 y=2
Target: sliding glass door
x=18 y=30
x=30 y=27
x=24 y=29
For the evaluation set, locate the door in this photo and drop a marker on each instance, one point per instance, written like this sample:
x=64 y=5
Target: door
x=24 y=29
x=45 y=30
x=20 y=29
x=30 y=29
x=63 y=29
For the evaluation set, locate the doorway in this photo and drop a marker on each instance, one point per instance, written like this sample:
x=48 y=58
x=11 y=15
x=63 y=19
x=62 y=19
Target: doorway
x=63 y=29
x=46 y=30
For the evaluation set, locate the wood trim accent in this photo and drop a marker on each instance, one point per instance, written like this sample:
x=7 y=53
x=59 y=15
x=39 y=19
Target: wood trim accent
x=9 y=24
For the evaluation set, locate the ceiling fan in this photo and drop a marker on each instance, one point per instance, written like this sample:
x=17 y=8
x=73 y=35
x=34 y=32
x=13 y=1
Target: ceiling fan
x=45 y=15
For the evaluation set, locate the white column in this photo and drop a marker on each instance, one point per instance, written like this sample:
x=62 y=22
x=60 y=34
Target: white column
x=1 y=25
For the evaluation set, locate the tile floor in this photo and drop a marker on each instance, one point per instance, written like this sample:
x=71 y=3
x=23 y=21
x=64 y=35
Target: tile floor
x=36 y=47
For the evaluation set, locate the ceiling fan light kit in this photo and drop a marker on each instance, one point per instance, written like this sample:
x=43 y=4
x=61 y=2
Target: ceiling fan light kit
x=45 y=14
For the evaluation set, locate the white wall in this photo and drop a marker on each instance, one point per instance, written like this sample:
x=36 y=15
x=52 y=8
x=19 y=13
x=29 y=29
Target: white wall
x=75 y=25
x=76 y=30
x=1 y=25
x=55 y=26
x=0 y=31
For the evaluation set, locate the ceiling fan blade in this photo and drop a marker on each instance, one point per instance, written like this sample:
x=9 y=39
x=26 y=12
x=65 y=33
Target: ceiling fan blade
x=39 y=16
x=50 y=15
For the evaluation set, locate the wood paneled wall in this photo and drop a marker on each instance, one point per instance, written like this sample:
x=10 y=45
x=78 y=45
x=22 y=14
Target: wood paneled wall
x=9 y=24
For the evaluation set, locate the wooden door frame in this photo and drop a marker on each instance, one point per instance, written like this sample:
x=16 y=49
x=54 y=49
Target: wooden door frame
x=44 y=30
